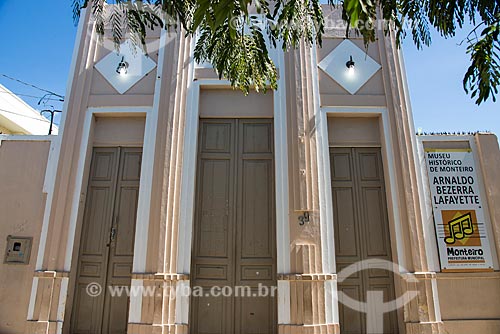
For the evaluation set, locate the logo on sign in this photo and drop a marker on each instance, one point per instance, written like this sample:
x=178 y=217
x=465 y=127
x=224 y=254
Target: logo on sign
x=460 y=229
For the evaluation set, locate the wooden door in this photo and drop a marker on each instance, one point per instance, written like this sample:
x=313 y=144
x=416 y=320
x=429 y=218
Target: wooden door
x=234 y=232
x=107 y=241
x=361 y=231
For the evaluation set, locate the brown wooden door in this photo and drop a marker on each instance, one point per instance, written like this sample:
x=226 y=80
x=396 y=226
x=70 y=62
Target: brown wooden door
x=234 y=232
x=361 y=231
x=107 y=241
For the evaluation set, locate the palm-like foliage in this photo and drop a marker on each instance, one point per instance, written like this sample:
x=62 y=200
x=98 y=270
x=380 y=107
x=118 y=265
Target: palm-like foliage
x=232 y=33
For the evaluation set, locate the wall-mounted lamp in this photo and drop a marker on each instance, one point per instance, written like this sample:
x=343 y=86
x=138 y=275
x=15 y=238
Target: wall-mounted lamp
x=304 y=218
x=350 y=65
x=122 y=67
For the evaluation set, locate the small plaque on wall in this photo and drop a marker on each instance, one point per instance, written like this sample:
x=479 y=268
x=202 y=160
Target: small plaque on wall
x=18 y=250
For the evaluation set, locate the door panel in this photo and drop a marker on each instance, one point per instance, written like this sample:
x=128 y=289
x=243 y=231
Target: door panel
x=343 y=199
x=210 y=310
x=376 y=243
x=93 y=259
x=213 y=223
x=256 y=248
x=256 y=210
x=253 y=314
x=121 y=247
x=351 y=321
x=361 y=230
x=233 y=242
x=212 y=256
x=107 y=241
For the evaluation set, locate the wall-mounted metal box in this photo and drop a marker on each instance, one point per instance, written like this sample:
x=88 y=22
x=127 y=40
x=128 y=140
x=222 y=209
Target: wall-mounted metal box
x=18 y=250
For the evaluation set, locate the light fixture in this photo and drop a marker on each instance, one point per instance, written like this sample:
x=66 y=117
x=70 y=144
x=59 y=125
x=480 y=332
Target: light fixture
x=350 y=63
x=122 y=67
x=350 y=66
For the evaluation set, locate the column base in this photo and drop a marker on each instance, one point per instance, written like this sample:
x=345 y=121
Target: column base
x=48 y=295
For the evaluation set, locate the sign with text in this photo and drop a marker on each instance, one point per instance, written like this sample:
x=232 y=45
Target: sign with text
x=458 y=210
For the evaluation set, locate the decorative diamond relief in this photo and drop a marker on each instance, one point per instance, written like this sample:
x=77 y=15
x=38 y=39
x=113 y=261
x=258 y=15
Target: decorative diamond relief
x=137 y=66
x=350 y=79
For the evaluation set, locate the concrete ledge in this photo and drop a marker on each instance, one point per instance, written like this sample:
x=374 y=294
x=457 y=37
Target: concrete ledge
x=157 y=329
x=42 y=327
x=472 y=326
x=425 y=328
x=309 y=329
x=36 y=138
x=307 y=277
x=161 y=277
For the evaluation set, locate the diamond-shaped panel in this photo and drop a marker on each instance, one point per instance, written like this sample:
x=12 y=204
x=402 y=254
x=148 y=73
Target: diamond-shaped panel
x=138 y=66
x=335 y=66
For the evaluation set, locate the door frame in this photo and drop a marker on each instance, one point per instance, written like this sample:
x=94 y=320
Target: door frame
x=65 y=306
x=326 y=208
x=188 y=183
x=235 y=155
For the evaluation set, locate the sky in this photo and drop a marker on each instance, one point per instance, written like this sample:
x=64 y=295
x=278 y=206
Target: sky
x=38 y=38
x=438 y=99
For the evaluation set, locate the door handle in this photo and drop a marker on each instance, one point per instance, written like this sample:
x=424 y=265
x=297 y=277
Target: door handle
x=113 y=234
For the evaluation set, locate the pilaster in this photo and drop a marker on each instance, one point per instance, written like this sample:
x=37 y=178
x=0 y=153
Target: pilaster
x=421 y=314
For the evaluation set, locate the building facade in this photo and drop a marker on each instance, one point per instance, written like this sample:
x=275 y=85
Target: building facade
x=163 y=179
